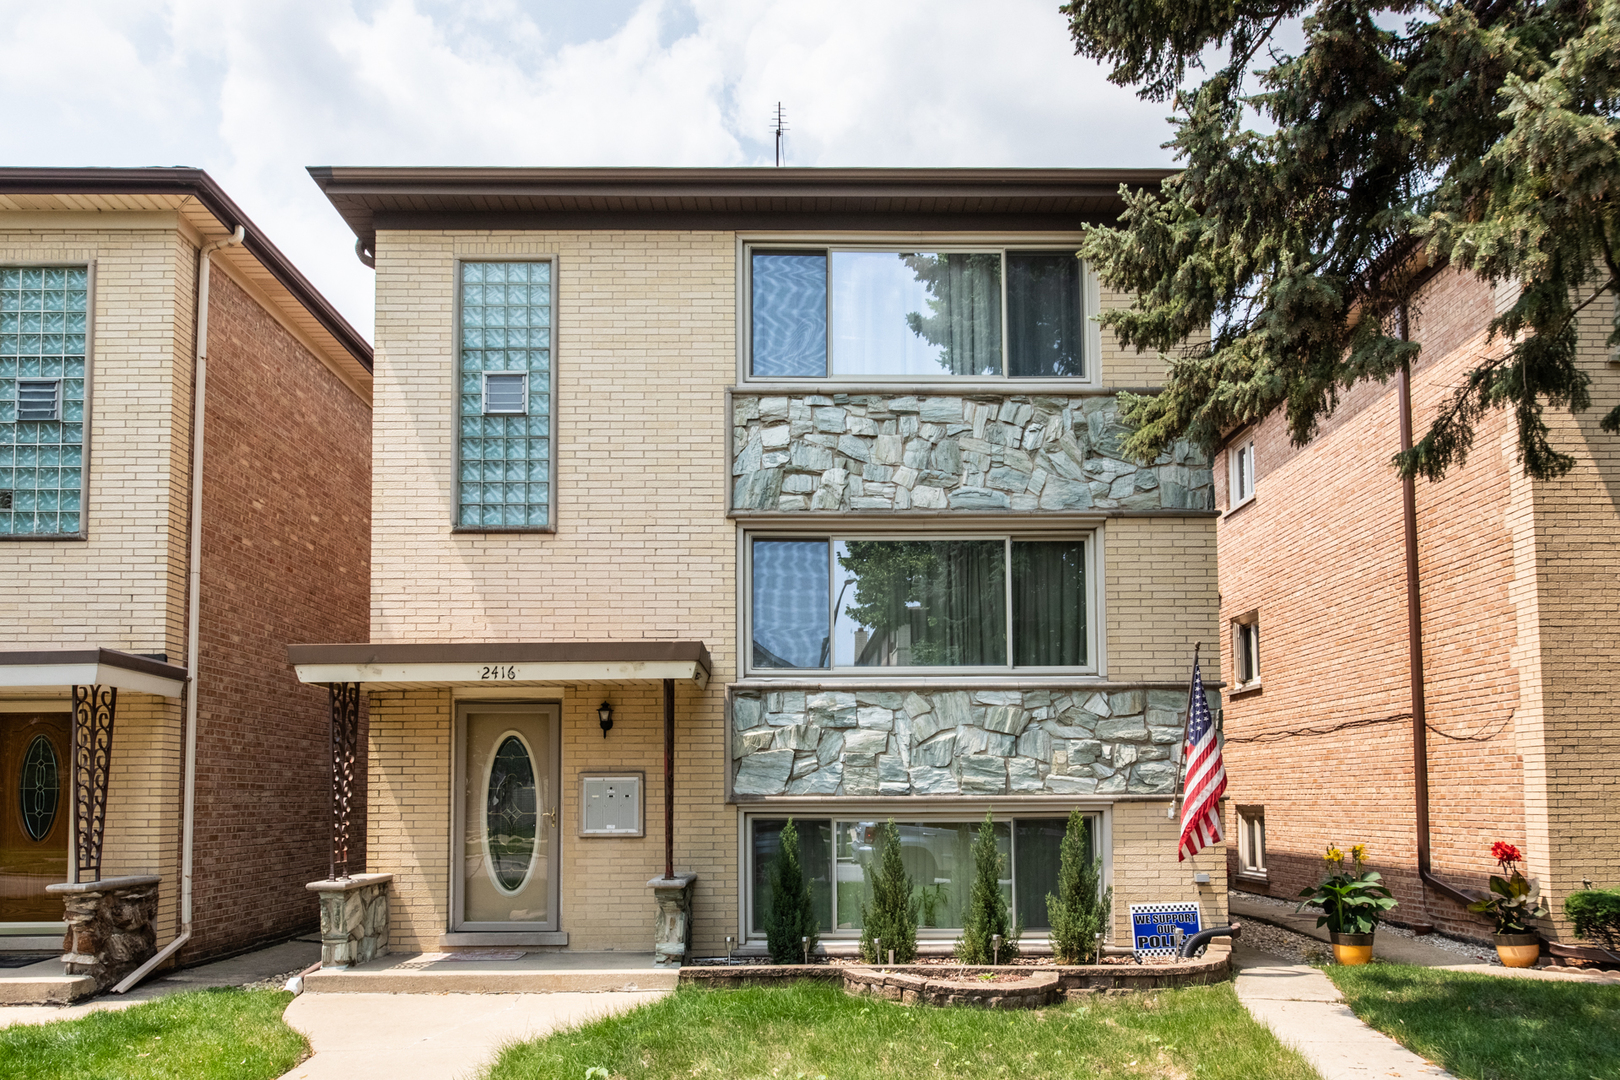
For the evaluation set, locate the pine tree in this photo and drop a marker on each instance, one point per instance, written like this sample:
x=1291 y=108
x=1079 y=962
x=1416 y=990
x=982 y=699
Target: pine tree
x=1322 y=186
x=790 y=918
x=987 y=913
x=1081 y=908
x=890 y=924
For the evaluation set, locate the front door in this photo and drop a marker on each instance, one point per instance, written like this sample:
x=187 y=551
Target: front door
x=34 y=769
x=507 y=817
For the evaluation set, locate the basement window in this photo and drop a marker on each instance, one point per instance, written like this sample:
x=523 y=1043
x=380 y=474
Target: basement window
x=1252 y=840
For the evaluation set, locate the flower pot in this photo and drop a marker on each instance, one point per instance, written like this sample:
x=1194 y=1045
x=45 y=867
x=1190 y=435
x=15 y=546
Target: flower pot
x=1518 y=950
x=1351 y=949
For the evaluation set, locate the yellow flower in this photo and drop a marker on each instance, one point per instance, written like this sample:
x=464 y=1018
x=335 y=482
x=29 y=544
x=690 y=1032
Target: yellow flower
x=1334 y=855
x=1359 y=852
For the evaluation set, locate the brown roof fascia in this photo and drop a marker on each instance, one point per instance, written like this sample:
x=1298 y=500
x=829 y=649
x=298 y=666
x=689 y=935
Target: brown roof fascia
x=723 y=198
x=199 y=185
x=508 y=652
x=109 y=657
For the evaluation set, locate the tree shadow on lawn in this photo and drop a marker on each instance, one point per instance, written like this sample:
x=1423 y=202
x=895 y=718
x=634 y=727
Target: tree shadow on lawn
x=1486 y=1027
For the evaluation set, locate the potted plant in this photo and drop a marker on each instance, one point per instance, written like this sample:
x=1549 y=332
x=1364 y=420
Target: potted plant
x=1352 y=902
x=1515 y=900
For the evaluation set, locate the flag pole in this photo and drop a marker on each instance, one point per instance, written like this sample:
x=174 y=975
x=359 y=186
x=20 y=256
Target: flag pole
x=1181 y=751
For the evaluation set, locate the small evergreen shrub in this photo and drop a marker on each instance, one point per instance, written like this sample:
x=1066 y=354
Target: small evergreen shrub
x=891 y=922
x=987 y=913
x=1595 y=914
x=1081 y=908
x=790 y=917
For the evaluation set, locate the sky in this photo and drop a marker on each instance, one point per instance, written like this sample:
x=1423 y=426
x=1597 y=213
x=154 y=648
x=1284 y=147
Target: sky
x=254 y=92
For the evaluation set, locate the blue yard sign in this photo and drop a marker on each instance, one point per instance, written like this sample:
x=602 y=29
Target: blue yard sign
x=1153 y=927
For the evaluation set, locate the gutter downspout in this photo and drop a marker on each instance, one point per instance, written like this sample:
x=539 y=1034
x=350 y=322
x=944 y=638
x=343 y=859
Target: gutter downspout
x=188 y=820
x=1414 y=644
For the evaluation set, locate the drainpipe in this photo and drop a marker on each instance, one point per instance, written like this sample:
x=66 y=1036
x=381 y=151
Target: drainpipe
x=1414 y=643
x=188 y=818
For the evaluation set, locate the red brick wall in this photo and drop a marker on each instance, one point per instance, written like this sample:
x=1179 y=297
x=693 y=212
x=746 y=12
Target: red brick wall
x=285 y=558
x=1320 y=554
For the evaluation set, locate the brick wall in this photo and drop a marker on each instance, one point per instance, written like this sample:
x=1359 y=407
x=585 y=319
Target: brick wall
x=1319 y=553
x=286 y=515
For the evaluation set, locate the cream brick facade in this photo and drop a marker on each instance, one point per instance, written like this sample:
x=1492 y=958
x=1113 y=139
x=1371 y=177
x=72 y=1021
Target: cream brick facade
x=643 y=548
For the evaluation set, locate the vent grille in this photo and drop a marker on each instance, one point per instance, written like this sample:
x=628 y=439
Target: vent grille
x=506 y=394
x=39 y=399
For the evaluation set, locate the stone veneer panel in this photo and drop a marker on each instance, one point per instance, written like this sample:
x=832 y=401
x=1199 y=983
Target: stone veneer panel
x=950 y=742
x=980 y=452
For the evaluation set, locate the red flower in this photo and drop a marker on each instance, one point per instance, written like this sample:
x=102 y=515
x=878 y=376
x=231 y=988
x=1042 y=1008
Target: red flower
x=1505 y=853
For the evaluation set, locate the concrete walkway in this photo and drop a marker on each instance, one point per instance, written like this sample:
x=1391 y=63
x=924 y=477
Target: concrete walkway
x=237 y=971
x=1307 y=1012
x=433 y=1036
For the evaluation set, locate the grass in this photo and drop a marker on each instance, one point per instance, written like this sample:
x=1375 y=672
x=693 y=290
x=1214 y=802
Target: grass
x=198 y=1035
x=809 y=1031
x=1484 y=1027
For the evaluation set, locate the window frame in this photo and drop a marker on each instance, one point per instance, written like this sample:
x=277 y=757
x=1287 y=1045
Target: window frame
x=943 y=243
x=966 y=812
x=86 y=441
x=528 y=392
x=1240 y=467
x=1246 y=635
x=1247 y=818
x=1091 y=534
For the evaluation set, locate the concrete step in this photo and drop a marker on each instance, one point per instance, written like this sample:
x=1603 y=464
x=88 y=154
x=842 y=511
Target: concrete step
x=44 y=983
x=530 y=973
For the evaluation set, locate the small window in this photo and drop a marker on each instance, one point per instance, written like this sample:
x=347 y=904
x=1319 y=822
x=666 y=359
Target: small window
x=39 y=399
x=1246 y=651
x=39 y=788
x=1252 y=840
x=1241 y=487
x=506 y=395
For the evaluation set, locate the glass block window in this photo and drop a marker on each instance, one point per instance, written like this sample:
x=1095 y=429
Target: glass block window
x=43 y=314
x=504 y=366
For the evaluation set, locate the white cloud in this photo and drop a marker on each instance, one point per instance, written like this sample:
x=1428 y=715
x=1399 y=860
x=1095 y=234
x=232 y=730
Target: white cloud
x=254 y=92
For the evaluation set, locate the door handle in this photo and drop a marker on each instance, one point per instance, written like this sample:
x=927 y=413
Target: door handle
x=552 y=816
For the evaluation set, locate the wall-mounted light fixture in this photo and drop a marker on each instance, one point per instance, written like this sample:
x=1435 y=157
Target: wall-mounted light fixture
x=604 y=715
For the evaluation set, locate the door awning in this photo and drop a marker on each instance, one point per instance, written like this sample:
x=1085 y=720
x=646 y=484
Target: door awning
x=400 y=666
x=51 y=671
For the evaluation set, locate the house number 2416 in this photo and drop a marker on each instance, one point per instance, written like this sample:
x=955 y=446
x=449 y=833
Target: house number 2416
x=498 y=672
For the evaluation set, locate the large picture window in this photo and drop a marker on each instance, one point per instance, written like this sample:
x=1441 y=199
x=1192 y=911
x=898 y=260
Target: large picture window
x=837 y=855
x=916 y=314
x=885 y=603
x=504 y=401
x=44 y=314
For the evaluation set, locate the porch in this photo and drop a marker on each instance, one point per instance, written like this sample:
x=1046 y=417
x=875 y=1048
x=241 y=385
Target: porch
x=497 y=971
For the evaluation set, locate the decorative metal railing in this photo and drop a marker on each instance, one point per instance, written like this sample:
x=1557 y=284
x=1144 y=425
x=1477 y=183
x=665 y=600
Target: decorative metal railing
x=345 y=748
x=94 y=708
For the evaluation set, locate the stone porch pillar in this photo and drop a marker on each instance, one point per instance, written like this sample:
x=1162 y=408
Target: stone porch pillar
x=109 y=926
x=672 y=935
x=354 y=918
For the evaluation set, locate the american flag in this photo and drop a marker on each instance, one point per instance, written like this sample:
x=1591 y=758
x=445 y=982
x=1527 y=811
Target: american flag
x=1206 y=775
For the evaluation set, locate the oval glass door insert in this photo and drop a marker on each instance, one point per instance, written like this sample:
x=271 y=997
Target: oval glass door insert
x=39 y=788
x=511 y=815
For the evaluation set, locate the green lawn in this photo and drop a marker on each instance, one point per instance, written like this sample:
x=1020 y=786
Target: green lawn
x=1483 y=1027
x=808 y=1031
x=200 y=1035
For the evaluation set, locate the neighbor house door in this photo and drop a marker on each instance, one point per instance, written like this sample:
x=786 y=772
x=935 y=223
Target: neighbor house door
x=506 y=817
x=34 y=771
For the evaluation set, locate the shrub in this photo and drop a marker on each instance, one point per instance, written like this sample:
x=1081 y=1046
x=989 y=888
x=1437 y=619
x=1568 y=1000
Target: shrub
x=790 y=917
x=1596 y=916
x=1081 y=908
x=986 y=913
x=891 y=922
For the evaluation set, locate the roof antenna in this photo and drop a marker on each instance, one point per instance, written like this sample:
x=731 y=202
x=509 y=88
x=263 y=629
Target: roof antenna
x=781 y=125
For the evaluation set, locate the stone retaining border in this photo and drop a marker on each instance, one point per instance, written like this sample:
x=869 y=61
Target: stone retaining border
x=1067 y=981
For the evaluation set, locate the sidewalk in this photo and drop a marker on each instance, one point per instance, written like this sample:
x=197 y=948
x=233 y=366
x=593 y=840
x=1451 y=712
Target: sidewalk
x=439 y=1036
x=237 y=971
x=1306 y=1011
